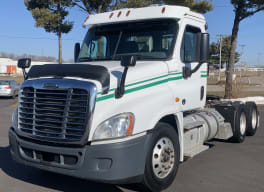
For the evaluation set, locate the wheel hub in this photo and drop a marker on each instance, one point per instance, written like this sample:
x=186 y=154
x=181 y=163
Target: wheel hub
x=243 y=123
x=163 y=158
x=254 y=119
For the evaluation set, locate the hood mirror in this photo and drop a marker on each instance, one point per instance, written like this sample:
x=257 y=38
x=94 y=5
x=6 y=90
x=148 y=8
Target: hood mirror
x=24 y=64
x=126 y=62
x=77 y=49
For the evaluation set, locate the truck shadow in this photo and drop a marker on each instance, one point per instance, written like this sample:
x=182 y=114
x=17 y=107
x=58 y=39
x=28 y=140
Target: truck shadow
x=47 y=179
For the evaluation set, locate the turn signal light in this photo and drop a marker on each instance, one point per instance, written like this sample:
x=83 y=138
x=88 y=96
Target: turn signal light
x=131 y=118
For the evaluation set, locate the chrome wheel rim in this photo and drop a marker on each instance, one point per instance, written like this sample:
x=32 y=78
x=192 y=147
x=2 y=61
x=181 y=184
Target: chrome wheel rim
x=243 y=123
x=254 y=119
x=163 y=158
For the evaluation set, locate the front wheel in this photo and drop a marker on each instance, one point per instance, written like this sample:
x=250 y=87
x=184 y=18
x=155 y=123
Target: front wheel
x=162 y=159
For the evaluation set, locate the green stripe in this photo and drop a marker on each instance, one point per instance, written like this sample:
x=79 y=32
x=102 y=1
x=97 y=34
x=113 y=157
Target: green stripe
x=105 y=97
x=175 y=78
x=144 y=81
x=146 y=86
x=140 y=87
x=175 y=73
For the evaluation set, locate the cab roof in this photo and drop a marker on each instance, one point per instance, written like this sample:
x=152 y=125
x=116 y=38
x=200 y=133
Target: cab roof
x=145 y=13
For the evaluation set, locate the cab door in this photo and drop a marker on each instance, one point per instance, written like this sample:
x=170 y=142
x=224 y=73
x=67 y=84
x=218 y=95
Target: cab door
x=191 y=88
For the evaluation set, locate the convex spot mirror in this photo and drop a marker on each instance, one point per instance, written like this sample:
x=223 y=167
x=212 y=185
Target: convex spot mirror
x=24 y=63
x=128 y=61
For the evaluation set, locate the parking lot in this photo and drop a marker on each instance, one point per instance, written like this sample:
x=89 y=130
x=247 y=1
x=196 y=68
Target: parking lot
x=224 y=167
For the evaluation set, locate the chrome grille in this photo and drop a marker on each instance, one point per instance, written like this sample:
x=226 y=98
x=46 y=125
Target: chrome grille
x=59 y=114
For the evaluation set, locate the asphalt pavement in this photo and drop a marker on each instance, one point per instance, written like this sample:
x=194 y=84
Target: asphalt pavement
x=224 y=167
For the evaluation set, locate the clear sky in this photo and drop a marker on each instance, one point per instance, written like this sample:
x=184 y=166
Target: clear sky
x=19 y=35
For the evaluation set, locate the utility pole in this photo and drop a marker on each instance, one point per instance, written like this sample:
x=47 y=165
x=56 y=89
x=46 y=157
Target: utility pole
x=220 y=55
x=259 y=54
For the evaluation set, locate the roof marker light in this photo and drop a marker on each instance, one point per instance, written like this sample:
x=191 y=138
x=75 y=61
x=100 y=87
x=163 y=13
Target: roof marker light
x=163 y=10
x=111 y=15
x=119 y=14
x=87 y=18
x=128 y=13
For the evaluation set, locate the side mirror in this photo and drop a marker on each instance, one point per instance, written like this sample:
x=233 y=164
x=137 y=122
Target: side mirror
x=126 y=61
x=77 y=49
x=24 y=63
x=204 y=47
x=202 y=50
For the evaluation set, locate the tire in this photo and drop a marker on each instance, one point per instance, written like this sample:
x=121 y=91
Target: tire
x=252 y=116
x=160 y=154
x=239 y=131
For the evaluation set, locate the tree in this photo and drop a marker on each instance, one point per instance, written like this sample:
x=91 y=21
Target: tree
x=226 y=49
x=243 y=9
x=93 y=6
x=197 y=6
x=119 y=4
x=51 y=14
x=98 y=6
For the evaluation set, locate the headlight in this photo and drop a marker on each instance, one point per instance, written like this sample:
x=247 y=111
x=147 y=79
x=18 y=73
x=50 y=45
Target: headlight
x=117 y=126
x=14 y=119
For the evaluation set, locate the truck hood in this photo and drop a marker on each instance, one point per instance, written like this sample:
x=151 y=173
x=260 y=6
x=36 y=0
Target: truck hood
x=142 y=71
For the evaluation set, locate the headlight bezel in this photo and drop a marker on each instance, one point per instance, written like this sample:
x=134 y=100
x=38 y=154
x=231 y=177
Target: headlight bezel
x=130 y=128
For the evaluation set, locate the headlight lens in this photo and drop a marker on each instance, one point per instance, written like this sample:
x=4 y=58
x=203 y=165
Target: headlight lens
x=14 y=118
x=117 y=126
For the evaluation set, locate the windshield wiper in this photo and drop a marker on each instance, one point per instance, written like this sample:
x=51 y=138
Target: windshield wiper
x=85 y=59
x=117 y=44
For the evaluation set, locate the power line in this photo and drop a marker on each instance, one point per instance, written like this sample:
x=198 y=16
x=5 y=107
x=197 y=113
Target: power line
x=34 y=38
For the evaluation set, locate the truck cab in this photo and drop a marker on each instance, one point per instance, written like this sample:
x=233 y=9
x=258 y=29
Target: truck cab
x=131 y=107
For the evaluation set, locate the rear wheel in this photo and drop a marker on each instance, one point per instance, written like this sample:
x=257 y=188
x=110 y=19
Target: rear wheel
x=252 y=116
x=162 y=159
x=239 y=131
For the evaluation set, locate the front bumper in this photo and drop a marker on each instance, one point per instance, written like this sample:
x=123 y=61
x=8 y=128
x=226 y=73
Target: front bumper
x=117 y=163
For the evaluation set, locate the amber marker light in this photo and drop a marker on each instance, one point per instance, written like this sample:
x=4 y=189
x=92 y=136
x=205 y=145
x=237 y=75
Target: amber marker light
x=119 y=14
x=177 y=99
x=128 y=13
x=87 y=18
x=163 y=10
x=111 y=15
x=131 y=120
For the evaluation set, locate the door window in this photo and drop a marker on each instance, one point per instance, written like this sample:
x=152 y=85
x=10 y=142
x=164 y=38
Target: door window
x=189 y=51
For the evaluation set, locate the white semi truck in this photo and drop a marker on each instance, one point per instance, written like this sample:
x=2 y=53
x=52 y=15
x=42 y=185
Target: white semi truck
x=128 y=123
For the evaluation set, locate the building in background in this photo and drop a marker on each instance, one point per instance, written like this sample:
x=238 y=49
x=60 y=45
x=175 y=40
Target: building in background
x=9 y=66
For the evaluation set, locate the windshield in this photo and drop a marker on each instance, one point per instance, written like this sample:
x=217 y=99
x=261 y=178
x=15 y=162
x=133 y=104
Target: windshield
x=153 y=39
x=4 y=82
